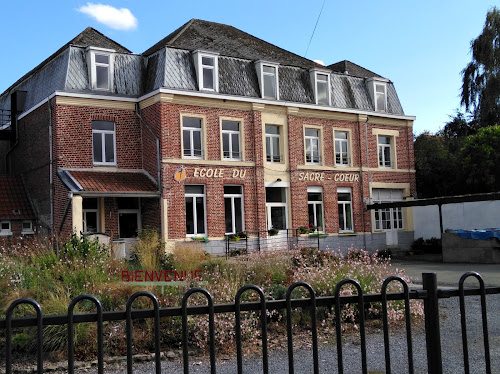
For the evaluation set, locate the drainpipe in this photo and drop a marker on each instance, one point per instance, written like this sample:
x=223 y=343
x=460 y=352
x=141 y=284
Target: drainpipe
x=51 y=181
x=367 y=163
x=255 y=173
x=361 y=179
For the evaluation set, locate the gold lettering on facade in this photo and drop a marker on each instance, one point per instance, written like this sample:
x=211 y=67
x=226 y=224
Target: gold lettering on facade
x=217 y=173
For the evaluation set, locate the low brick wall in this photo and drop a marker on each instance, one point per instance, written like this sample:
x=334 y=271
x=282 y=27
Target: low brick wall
x=457 y=249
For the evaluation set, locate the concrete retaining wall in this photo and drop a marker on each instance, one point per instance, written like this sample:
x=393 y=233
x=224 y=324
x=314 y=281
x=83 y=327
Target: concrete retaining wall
x=457 y=249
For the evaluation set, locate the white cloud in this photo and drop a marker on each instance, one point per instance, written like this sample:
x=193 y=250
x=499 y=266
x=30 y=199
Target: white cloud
x=119 y=19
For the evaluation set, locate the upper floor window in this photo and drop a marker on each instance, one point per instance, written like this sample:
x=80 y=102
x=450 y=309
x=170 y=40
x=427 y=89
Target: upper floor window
x=381 y=97
x=5 y=228
x=342 y=148
x=101 y=68
x=321 y=86
x=207 y=70
x=273 y=143
x=378 y=90
x=231 y=140
x=312 y=146
x=268 y=79
x=192 y=137
x=384 y=151
x=104 y=143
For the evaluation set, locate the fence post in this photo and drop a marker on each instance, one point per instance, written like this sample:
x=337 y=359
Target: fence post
x=432 y=332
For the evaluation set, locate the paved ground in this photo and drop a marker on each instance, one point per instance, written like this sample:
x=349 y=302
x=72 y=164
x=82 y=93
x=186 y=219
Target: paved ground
x=448 y=274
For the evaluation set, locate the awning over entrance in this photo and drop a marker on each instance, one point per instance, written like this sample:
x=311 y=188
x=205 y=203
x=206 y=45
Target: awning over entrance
x=108 y=183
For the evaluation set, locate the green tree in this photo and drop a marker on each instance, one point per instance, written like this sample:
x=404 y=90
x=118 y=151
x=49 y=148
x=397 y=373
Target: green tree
x=481 y=78
x=480 y=159
x=436 y=167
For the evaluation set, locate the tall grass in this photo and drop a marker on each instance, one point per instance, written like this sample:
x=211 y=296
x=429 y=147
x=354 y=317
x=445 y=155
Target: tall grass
x=34 y=270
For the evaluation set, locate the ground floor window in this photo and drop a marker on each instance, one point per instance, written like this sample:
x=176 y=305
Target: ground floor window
x=315 y=207
x=27 y=228
x=195 y=210
x=390 y=218
x=276 y=208
x=90 y=208
x=129 y=216
x=233 y=209
x=5 y=228
x=345 y=209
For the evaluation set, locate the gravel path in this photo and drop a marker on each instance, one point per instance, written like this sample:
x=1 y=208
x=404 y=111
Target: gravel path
x=450 y=340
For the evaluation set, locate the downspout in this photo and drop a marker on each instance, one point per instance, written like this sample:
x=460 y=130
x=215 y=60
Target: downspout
x=51 y=181
x=255 y=175
x=368 y=164
x=361 y=179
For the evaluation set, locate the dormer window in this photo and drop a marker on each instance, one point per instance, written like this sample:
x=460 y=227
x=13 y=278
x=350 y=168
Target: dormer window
x=378 y=90
x=321 y=86
x=268 y=79
x=101 y=68
x=207 y=70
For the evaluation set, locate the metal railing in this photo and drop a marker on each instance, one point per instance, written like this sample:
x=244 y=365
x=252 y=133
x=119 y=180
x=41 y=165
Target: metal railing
x=430 y=294
x=285 y=239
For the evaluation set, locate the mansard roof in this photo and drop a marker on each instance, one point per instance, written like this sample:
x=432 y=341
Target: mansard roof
x=350 y=68
x=169 y=64
x=227 y=41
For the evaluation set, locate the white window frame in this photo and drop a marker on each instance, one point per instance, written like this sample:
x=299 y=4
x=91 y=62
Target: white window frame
x=8 y=231
x=309 y=139
x=230 y=133
x=87 y=210
x=271 y=158
x=338 y=147
x=200 y=68
x=28 y=231
x=283 y=204
x=390 y=213
x=103 y=144
x=233 y=211
x=344 y=204
x=316 y=189
x=382 y=162
x=92 y=51
x=192 y=130
x=195 y=213
x=261 y=74
x=373 y=83
x=317 y=78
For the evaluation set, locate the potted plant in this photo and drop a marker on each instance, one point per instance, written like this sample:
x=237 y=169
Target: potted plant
x=233 y=237
x=242 y=234
x=200 y=239
x=303 y=230
x=312 y=228
x=272 y=231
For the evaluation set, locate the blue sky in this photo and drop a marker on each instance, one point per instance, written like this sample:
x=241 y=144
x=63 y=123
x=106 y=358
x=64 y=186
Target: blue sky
x=421 y=46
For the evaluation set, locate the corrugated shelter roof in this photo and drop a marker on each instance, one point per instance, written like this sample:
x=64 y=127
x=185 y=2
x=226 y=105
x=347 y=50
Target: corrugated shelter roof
x=348 y=67
x=108 y=182
x=14 y=202
x=228 y=41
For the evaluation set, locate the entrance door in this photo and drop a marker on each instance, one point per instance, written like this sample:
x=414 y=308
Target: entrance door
x=276 y=208
x=388 y=220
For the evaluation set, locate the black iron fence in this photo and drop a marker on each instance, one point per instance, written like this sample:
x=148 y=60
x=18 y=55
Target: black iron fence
x=429 y=294
x=251 y=241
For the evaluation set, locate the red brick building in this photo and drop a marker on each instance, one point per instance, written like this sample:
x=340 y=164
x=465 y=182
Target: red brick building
x=209 y=132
